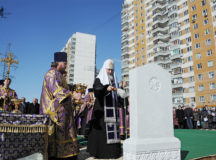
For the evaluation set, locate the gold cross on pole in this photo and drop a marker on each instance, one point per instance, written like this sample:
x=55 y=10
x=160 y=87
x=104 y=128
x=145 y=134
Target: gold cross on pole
x=9 y=61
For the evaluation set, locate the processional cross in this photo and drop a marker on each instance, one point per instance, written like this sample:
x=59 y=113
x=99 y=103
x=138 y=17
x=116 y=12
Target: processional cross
x=9 y=61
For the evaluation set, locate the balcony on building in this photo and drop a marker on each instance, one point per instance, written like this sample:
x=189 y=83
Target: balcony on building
x=160 y=29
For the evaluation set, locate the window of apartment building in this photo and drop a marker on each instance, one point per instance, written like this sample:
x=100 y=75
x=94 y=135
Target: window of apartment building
x=213 y=97
x=148 y=17
x=141 y=14
x=191 y=79
x=141 y=7
x=149 y=24
x=205 y=21
x=137 y=59
x=196 y=35
x=189 y=58
x=142 y=28
x=199 y=66
x=189 y=49
x=192 y=99
x=190 y=68
x=193 y=8
x=200 y=87
x=195 y=26
x=208 y=42
x=143 y=57
x=142 y=42
x=142 y=21
x=136 y=24
x=198 y=55
x=185 y=12
x=209 y=52
x=211 y=74
x=136 y=11
x=186 y=21
x=214 y=7
x=201 y=99
x=142 y=49
x=149 y=54
x=212 y=85
x=215 y=33
x=191 y=89
x=187 y=30
x=203 y=2
x=137 y=51
x=210 y=63
x=194 y=17
x=197 y=45
x=205 y=12
x=207 y=31
x=137 y=37
x=200 y=77
x=185 y=4
x=188 y=39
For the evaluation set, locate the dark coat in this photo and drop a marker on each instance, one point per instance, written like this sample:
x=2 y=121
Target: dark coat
x=180 y=115
x=33 y=108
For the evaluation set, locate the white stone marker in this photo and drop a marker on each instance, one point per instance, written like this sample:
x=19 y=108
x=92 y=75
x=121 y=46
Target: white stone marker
x=151 y=117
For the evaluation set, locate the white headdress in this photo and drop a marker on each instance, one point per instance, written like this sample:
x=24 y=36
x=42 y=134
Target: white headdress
x=108 y=64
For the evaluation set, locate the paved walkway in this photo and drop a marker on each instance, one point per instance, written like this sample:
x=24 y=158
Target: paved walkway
x=85 y=155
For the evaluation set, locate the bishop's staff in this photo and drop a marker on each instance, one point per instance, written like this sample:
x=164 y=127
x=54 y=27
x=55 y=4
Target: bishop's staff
x=9 y=61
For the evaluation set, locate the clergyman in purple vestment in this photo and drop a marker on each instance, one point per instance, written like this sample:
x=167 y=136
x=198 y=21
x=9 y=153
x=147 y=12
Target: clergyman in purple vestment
x=56 y=101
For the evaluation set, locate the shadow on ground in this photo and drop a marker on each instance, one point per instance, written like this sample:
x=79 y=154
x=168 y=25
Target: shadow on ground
x=184 y=154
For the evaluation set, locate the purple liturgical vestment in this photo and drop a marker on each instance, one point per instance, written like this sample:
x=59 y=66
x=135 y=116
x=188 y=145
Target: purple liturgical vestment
x=56 y=102
x=10 y=93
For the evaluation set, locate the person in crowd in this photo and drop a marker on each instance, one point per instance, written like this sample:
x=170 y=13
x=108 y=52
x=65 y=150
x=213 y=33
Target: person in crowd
x=24 y=106
x=56 y=101
x=175 y=121
x=188 y=112
x=213 y=118
x=86 y=112
x=196 y=118
x=204 y=116
x=123 y=113
x=210 y=118
x=104 y=137
x=33 y=108
x=180 y=117
x=6 y=95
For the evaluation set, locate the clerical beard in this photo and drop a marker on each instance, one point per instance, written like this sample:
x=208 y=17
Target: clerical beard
x=110 y=77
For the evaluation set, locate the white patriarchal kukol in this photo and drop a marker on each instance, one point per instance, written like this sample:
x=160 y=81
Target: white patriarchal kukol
x=109 y=64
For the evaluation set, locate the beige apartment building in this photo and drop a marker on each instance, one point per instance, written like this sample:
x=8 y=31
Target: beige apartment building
x=178 y=35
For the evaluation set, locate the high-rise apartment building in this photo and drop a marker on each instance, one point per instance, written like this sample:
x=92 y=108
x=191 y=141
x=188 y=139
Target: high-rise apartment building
x=179 y=35
x=81 y=51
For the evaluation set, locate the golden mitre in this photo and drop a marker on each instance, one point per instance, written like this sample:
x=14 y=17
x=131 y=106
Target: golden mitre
x=80 y=88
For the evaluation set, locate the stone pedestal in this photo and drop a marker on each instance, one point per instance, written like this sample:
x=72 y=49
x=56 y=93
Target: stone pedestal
x=151 y=117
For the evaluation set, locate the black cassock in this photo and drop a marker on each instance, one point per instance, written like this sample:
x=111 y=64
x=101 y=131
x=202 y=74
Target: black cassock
x=97 y=141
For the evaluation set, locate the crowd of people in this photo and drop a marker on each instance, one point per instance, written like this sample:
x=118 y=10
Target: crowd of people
x=194 y=118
